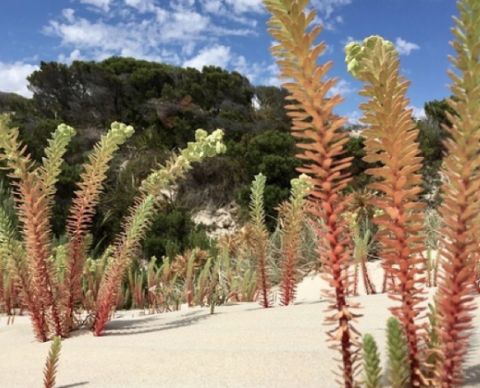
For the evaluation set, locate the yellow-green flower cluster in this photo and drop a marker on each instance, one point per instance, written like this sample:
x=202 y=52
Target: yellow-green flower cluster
x=57 y=146
x=121 y=132
x=205 y=146
x=359 y=53
x=66 y=132
x=257 y=207
x=351 y=219
x=301 y=187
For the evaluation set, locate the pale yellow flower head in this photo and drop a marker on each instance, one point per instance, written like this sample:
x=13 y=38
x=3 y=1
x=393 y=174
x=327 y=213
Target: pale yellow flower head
x=358 y=53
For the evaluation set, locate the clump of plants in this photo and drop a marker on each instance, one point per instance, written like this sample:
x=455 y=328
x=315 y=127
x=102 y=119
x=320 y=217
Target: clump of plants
x=51 y=289
x=392 y=149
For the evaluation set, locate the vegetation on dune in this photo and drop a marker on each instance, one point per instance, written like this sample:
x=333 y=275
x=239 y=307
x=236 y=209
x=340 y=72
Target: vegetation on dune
x=83 y=233
x=52 y=289
x=393 y=148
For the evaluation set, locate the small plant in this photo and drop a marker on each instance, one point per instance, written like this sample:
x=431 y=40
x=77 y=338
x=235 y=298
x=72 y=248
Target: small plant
x=398 y=370
x=259 y=240
x=371 y=363
x=432 y=346
x=362 y=244
x=51 y=365
x=291 y=219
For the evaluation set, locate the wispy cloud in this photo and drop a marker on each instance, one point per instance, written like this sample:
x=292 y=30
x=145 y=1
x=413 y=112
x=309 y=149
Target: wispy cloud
x=182 y=32
x=104 y=5
x=327 y=12
x=353 y=118
x=404 y=47
x=342 y=87
x=244 y=6
x=143 y=29
x=328 y=7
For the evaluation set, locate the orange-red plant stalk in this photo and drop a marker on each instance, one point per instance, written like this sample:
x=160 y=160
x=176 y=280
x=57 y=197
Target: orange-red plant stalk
x=460 y=235
x=391 y=142
x=317 y=129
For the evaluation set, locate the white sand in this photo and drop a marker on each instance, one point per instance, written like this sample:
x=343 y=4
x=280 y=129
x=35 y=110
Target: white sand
x=239 y=346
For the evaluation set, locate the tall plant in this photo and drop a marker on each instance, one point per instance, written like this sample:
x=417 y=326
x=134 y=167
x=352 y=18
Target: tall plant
x=141 y=215
x=460 y=234
x=33 y=196
x=259 y=240
x=82 y=211
x=391 y=143
x=317 y=130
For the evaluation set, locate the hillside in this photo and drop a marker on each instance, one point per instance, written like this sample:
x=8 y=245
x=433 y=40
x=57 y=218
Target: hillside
x=166 y=104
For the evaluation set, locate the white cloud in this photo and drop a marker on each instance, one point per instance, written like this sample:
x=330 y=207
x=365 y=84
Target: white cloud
x=353 y=118
x=182 y=4
x=234 y=10
x=141 y=29
x=243 y=6
x=342 y=88
x=180 y=32
x=104 y=5
x=404 y=47
x=68 y=14
x=213 y=6
x=255 y=72
x=142 y=5
x=326 y=10
x=328 y=7
x=220 y=55
x=273 y=78
x=75 y=55
x=13 y=77
x=347 y=40
x=417 y=113
x=217 y=55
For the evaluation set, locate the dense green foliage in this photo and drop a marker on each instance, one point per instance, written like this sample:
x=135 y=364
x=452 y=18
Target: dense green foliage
x=166 y=104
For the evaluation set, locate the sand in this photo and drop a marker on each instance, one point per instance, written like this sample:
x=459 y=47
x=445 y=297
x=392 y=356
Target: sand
x=240 y=345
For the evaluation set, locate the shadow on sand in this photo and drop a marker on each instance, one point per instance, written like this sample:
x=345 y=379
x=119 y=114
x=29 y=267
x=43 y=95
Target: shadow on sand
x=80 y=384
x=153 y=324
x=472 y=376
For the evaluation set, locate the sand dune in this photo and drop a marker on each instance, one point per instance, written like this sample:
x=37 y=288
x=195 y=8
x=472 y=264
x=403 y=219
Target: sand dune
x=240 y=346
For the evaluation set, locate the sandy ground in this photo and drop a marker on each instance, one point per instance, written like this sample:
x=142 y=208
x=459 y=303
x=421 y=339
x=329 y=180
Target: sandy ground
x=240 y=346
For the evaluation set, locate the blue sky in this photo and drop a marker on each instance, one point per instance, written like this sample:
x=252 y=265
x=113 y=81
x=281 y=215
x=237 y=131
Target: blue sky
x=227 y=33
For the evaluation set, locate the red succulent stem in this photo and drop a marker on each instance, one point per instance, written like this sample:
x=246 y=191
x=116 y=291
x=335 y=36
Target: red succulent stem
x=338 y=270
x=369 y=287
x=36 y=230
x=355 y=280
x=262 y=279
